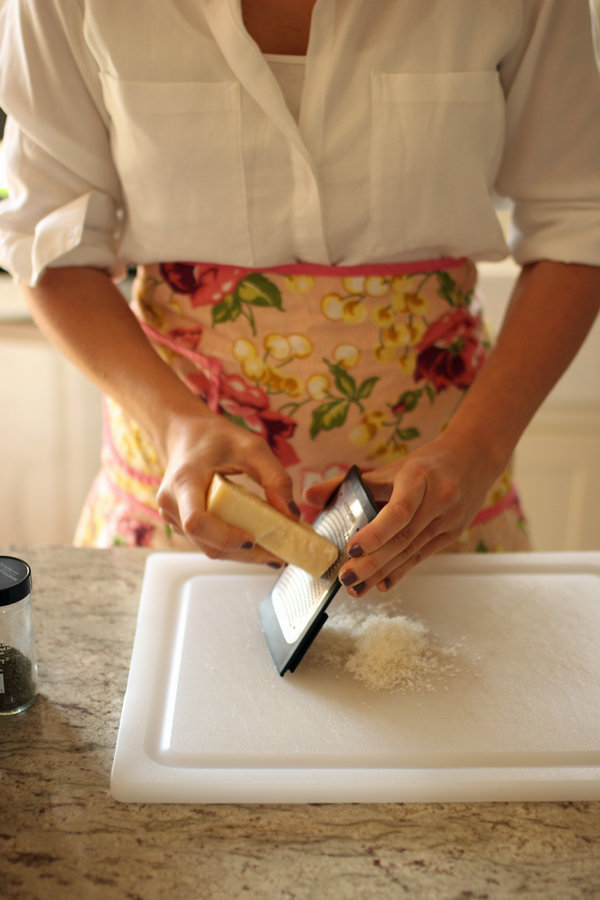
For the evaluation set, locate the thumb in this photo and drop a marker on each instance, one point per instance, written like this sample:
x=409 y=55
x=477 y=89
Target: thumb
x=318 y=494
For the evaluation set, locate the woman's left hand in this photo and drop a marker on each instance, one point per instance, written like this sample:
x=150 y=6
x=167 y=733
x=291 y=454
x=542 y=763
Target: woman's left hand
x=431 y=496
x=434 y=493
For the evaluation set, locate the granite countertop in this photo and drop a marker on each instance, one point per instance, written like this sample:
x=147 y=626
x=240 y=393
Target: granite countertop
x=63 y=836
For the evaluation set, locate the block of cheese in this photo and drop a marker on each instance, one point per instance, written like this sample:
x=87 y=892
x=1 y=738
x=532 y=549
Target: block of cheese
x=292 y=541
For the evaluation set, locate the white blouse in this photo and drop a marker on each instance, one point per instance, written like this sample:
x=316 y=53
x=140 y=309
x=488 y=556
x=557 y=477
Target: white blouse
x=149 y=131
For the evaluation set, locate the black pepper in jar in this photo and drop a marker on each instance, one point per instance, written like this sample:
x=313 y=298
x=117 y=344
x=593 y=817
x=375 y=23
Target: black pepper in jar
x=18 y=669
x=17 y=685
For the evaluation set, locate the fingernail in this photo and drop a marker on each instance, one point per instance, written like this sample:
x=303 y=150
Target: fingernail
x=274 y=565
x=355 y=550
x=293 y=508
x=387 y=583
x=248 y=545
x=358 y=588
x=348 y=577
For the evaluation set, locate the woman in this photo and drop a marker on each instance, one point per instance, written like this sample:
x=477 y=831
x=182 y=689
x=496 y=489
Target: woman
x=325 y=172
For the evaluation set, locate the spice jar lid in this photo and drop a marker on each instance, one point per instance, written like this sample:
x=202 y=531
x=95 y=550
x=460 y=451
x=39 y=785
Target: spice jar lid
x=15 y=580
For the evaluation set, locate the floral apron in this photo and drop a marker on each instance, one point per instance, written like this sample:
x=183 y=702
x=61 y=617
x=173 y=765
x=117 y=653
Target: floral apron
x=331 y=366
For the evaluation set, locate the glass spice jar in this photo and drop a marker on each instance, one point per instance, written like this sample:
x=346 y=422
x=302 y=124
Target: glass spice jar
x=18 y=667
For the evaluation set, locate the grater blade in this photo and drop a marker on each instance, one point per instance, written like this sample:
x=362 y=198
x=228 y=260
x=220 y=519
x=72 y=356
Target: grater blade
x=293 y=613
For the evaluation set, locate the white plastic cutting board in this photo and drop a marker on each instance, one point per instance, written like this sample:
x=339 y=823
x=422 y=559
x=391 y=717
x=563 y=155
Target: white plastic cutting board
x=207 y=718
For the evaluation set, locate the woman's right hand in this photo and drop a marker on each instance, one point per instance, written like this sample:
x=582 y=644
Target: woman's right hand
x=197 y=447
x=83 y=313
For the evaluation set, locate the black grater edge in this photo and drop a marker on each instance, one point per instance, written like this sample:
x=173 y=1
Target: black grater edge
x=287 y=653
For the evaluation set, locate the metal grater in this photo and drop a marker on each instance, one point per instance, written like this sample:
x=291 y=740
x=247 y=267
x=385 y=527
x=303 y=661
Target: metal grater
x=294 y=612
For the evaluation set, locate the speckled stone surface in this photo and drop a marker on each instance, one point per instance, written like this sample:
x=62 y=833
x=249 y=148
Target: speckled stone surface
x=63 y=836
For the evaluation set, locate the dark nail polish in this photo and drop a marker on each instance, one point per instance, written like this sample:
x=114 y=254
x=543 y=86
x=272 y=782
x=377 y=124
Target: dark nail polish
x=293 y=508
x=355 y=550
x=387 y=583
x=248 y=545
x=348 y=578
x=274 y=565
x=358 y=588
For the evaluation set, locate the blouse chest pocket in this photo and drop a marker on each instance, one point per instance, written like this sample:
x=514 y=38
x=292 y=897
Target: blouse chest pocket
x=177 y=149
x=435 y=139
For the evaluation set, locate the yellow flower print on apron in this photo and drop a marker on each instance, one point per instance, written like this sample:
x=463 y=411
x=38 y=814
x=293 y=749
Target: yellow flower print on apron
x=332 y=366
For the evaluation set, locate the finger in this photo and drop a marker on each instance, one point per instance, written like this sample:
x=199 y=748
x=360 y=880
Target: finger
x=185 y=505
x=318 y=494
x=249 y=552
x=182 y=498
x=171 y=522
x=438 y=543
x=395 y=520
x=220 y=541
x=276 y=482
x=388 y=577
x=207 y=530
x=257 y=556
x=217 y=539
x=376 y=567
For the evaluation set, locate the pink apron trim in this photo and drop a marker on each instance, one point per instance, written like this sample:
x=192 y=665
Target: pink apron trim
x=208 y=364
x=108 y=442
x=385 y=269
x=485 y=515
x=133 y=501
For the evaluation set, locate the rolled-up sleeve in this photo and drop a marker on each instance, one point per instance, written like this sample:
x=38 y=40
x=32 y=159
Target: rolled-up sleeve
x=551 y=163
x=64 y=200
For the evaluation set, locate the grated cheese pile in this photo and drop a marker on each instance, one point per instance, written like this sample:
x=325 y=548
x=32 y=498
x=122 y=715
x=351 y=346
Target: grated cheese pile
x=381 y=650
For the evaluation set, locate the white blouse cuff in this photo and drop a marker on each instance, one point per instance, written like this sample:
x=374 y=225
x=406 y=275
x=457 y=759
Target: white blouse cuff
x=551 y=231
x=80 y=233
